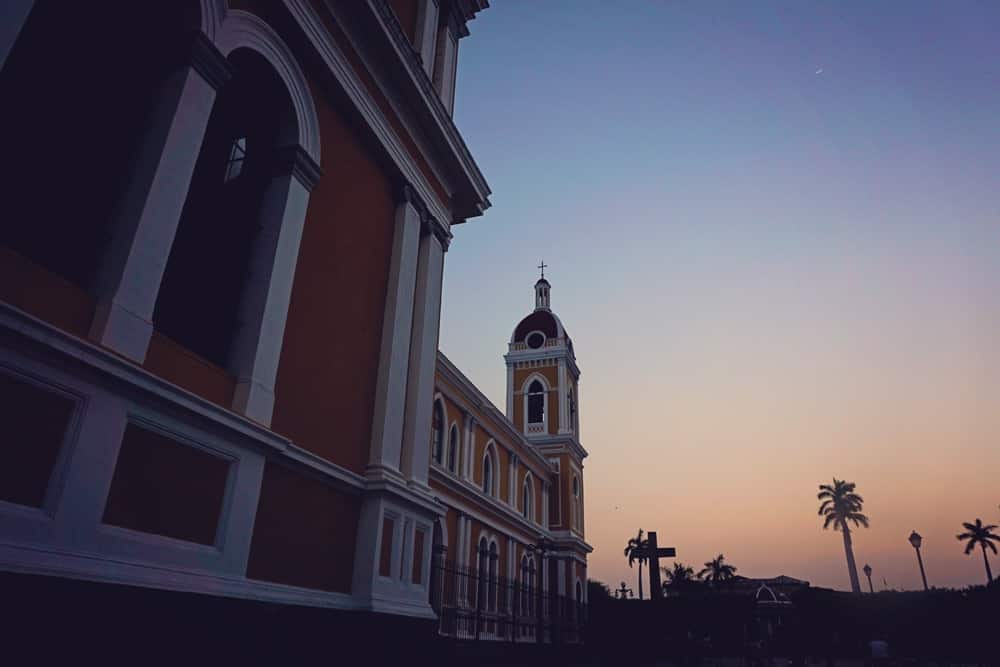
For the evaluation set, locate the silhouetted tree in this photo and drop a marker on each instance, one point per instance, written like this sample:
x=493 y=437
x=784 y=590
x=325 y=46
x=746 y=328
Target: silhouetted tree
x=716 y=571
x=982 y=536
x=679 y=577
x=841 y=505
x=635 y=545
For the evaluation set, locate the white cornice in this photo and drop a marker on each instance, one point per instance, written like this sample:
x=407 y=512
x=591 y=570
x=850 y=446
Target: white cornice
x=419 y=85
x=14 y=322
x=312 y=25
x=476 y=400
x=471 y=493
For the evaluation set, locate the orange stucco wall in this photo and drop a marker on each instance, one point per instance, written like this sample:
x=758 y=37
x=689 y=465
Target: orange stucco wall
x=325 y=391
x=406 y=14
x=44 y=294
x=304 y=533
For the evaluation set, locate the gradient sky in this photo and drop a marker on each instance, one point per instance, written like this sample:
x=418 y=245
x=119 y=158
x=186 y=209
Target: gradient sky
x=774 y=235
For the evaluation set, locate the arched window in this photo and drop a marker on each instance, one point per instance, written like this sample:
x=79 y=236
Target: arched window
x=536 y=403
x=528 y=499
x=437 y=433
x=453 y=449
x=488 y=486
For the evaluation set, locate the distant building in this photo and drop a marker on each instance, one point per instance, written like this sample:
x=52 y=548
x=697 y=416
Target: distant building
x=781 y=585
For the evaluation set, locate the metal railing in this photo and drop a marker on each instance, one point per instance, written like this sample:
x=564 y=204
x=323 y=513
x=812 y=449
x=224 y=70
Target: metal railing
x=477 y=604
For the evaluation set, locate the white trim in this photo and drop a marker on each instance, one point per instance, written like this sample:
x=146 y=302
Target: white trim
x=394 y=354
x=242 y=29
x=420 y=389
x=469 y=398
x=532 y=511
x=438 y=404
x=490 y=452
x=111 y=366
x=305 y=15
x=491 y=508
x=524 y=392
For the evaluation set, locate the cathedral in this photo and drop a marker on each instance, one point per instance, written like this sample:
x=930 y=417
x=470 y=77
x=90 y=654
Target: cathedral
x=224 y=232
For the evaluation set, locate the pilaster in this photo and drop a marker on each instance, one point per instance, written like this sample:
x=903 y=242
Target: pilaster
x=423 y=359
x=397 y=321
x=151 y=203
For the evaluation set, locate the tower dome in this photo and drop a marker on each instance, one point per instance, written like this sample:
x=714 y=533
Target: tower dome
x=542 y=375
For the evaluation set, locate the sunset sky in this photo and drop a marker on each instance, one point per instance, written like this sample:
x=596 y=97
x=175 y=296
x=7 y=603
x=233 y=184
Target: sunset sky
x=773 y=232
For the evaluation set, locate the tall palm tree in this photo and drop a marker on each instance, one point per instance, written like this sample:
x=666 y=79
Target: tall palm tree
x=634 y=550
x=841 y=506
x=716 y=571
x=982 y=536
x=678 y=577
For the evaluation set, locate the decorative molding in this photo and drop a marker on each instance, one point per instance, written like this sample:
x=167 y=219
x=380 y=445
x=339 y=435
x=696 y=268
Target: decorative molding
x=242 y=29
x=423 y=86
x=15 y=322
x=208 y=61
x=474 y=400
x=468 y=493
x=312 y=25
x=296 y=161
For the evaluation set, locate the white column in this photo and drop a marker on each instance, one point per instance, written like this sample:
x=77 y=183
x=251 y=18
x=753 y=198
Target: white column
x=426 y=35
x=151 y=204
x=545 y=504
x=237 y=527
x=510 y=391
x=445 y=63
x=267 y=292
x=13 y=16
x=390 y=392
x=563 y=399
x=468 y=446
x=561 y=575
x=511 y=479
x=423 y=360
x=86 y=481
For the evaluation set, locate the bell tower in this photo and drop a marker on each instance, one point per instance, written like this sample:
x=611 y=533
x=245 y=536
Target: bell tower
x=542 y=375
x=543 y=398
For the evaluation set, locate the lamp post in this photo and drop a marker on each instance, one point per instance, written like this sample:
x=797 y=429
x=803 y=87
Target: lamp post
x=868 y=573
x=916 y=541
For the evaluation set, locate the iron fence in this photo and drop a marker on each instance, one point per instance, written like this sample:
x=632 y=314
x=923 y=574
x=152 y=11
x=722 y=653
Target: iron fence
x=477 y=604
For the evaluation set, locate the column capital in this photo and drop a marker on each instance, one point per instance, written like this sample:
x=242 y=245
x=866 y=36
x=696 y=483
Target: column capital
x=296 y=161
x=206 y=59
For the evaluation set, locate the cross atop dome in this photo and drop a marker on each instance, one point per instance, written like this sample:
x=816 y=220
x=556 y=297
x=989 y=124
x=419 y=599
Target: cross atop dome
x=542 y=290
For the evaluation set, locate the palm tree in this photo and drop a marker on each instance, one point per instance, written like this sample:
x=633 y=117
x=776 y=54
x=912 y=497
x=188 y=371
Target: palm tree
x=717 y=572
x=982 y=536
x=634 y=550
x=841 y=506
x=680 y=576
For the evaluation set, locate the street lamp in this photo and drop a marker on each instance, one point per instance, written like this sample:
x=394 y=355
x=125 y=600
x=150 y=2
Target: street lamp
x=868 y=573
x=916 y=541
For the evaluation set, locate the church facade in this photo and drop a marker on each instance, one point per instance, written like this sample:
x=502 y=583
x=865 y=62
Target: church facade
x=225 y=224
